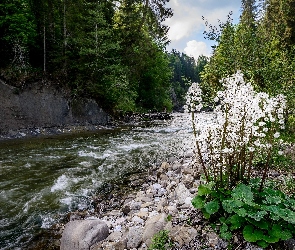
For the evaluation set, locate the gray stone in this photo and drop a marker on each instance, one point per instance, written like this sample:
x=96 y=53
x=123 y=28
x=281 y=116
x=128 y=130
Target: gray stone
x=115 y=236
x=152 y=226
x=290 y=244
x=182 y=193
x=134 y=237
x=183 y=235
x=82 y=234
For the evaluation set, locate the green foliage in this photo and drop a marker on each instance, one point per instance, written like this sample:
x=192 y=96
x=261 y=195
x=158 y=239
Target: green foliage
x=185 y=70
x=111 y=52
x=262 y=48
x=262 y=217
x=161 y=241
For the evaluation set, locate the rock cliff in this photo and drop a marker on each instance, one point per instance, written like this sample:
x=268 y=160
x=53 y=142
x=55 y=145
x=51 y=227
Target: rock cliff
x=41 y=105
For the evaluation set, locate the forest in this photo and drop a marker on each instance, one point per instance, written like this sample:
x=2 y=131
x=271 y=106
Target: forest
x=112 y=51
x=115 y=51
x=261 y=46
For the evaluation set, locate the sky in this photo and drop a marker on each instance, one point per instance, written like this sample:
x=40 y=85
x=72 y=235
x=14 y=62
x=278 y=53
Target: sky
x=187 y=26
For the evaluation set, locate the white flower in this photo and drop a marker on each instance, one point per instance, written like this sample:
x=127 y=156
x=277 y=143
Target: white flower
x=276 y=135
x=280 y=152
x=251 y=149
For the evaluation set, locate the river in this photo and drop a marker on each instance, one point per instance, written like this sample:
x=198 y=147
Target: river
x=42 y=179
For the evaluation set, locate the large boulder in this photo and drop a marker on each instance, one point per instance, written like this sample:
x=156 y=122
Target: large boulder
x=82 y=234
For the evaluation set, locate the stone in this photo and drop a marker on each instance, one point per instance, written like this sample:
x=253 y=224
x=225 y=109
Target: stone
x=182 y=193
x=137 y=220
x=165 y=166
x=135 y=205
x=290 y=244
x=121 y=245
x=115 y=236
x=134 y=237
x=212 y=239
x=182 y=234
x=143 y=214
x=126 y=210
x=82 y=234
x=152 y=226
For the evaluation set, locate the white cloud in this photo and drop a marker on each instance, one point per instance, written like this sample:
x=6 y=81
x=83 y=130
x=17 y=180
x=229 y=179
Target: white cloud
x=195 y=49
x=187 y=24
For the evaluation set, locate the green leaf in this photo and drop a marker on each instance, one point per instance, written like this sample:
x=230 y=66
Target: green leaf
x=262 y=243
x=204 y=190
x=198 y=202
x=230 y=205
x=205 y=214
x=241 y=212
x=280 y=233
x=224 y=233
x=252 y=235
x=236 y=221
x=257 y=215
x=248 y=234
x=262 y=224
x=243 y=193
x=212 y=207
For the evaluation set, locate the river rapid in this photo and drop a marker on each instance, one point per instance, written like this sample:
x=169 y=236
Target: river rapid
x=43 y=179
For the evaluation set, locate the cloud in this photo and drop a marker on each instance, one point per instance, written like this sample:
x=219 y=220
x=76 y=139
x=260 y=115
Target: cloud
x=187 y=24
x=195 y=49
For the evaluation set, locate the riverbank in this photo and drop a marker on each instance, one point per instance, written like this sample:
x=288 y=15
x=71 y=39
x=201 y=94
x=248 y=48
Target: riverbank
x=162 y=201
x=131 y=120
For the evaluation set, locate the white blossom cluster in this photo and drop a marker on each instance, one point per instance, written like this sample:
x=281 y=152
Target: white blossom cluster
x=193 y=98
x=246 y=121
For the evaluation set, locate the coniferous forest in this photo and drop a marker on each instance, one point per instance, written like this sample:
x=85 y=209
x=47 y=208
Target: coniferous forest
x=115 y=51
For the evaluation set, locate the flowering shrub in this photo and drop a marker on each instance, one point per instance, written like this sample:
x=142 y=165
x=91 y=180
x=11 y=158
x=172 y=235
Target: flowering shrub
x=247 y=124
x=246 y=127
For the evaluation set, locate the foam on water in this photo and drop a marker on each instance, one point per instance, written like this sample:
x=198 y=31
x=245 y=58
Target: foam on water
x=47 y=221
x=93 y=154
x=61 y=183
x=67 y=201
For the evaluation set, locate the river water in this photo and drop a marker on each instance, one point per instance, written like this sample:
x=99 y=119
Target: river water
x=42 y=179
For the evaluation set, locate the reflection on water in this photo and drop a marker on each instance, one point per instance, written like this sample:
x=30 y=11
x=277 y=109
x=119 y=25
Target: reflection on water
x=42 y=179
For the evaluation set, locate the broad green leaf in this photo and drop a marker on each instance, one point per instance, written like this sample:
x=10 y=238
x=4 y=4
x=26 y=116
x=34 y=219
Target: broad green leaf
x=198 y=202
x=248 y=233
x=224 y=233
x=230 y=205
x=262 y=243
x=212 y=207
x=241 y=212
x=243 y=193
x=280 y=233
x=258 y=215
x=205 y=214
x=236 y=221
x=204 y=190
x=262 y=224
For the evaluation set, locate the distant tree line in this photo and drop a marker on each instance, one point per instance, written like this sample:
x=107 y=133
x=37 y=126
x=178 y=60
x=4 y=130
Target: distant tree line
x=186 y=70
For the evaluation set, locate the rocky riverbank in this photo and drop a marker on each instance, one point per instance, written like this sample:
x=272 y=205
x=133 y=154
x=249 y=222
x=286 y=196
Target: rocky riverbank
x=162 y=202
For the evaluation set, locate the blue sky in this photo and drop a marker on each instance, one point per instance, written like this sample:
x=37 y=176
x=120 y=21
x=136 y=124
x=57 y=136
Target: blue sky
x=187 y=26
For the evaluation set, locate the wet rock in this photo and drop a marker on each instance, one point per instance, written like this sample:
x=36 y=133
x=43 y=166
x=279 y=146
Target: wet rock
x=82 y=234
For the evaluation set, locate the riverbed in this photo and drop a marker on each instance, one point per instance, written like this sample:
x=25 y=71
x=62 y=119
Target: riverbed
x=42 y=179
